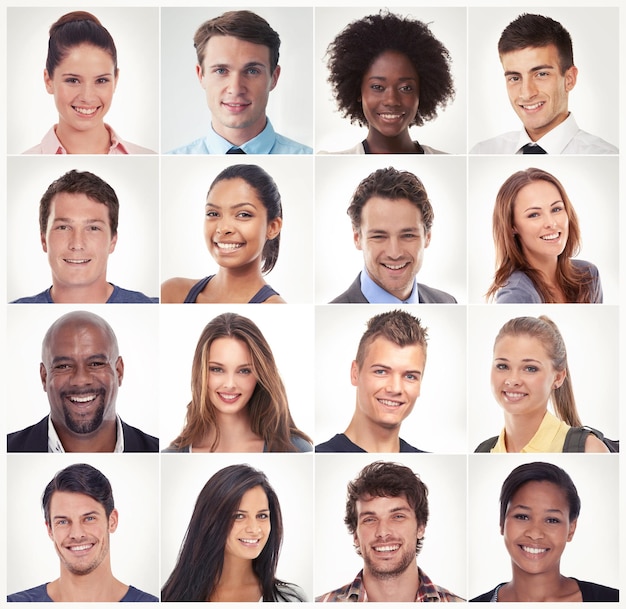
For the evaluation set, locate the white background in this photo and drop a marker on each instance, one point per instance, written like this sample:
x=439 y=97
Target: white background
x=31 y=111
x=185 y=115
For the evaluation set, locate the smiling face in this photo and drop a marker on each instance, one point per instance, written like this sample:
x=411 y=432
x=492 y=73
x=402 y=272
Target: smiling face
x=236 y=226
x=388 y=383
x=390 y=94
x=80 y=529
x=540 y=221
x=392 y=238
x=78 y=241
x=81 y=372
x=537 y=90
x=251 y=526
x=83 y=84
x=537 y=527
x=237 y=79
x=386 y=535
x=231 y=375
x=523 y=376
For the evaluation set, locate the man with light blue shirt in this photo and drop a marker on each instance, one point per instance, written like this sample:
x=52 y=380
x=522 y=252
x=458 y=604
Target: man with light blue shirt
x=237 y=68
x=392 y=220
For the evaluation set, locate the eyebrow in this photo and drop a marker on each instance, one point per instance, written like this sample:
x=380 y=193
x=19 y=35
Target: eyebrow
x=400 y=508
x=92 y=513
x=66 y=358
x=235 y=206
x=88 y=221
x=385 y=367
x=250 y=64
x=373 y=77
x=520 y=506
x=220 y=364
x=526 y=359
x=80 y=75
x=534 y=69
x=539 y=206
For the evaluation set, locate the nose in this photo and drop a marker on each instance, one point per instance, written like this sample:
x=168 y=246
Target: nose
x=76 y=530
x=512 y=380
x=223 y=227
x=394 y=384
x=235 y=84
x=394 y=248
x=80 y=376
x=549 y=221
x=528 y=89
x=76 y=240
x=382 y=530
x=533 y=531
x=87 y=91
x=391 y=97
x=253 y=526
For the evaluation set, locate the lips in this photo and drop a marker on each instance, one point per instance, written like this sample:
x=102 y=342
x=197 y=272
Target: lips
x=395 y=267
x=532 y=107
x=390 y=403
x=227 y=246
x=236 y=107
x=514 y=396
x=85 y=111
x=81 y=548
x=77 y=260
x=229 y=398
x=551 y=236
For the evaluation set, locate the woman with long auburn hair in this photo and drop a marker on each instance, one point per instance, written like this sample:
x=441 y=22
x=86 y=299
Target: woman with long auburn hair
x=231 y=548
x=239 y=402
x=536 y=235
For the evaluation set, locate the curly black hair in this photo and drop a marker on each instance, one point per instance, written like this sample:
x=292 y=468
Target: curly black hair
x=354 y=50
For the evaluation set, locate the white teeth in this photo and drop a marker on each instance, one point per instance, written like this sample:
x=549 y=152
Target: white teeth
x=551 y=237
x=229 y=396
x=395 y=267
x=391 y=116
x=80 y=548
x=390 y=403
x=83 y=261
x=82 y=400
x=387 y=548
x=85 y=111
x=533 y=106
x=514 y=396
x=249 y=540
x=534 y=550
x=229 y=246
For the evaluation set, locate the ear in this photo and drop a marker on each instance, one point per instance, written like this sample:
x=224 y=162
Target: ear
x=113 y=519
x=119 y=368
x=44 y=243
x=43 y=375
x=572 y=529
x=356 y=232
x=48 y=82
x=200 y=75
x=571 y=75
x=427 y=239
x=559 y=378
x=113 y=243
x=354 y=373
x=49 y=529
x=421 y=531
x=273 y=228
x=275 y=76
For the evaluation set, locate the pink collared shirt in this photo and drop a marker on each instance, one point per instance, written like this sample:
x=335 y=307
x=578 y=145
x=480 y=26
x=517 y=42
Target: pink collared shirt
x=52 y=145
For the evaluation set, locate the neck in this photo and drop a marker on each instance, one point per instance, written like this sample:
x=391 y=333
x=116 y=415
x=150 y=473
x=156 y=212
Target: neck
x=103 y=440
x=401 y=588
x=381 y=144
x=99 y=292
x=236 y=435
x=372 y=437
x=238 y=582
x=238 y=137
x=97 y=586
x=535 y=587
x=239 y=284
x=93 y=141
x=520 y=429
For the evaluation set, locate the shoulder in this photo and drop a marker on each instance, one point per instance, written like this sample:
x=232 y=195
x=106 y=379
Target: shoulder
x=120 y=295
x=505 y=143
x=176 y=288
x=583 y=265
x=175 y=449
x=430 y=149
x=586 y=143
x=41 y=298
x=353 y=294
x=136 y=441
x=290 y=593
x=432 y=295
x=405 y=447
x=519 y=288
x=597 y=592
x=339 y=443
x=486 y=597
x=300 y=444
x=136 y=149
x=134 y=595
x=357 y=149
x=284 y=145
x=198 y=146
x=32 y=595
x=32 y=439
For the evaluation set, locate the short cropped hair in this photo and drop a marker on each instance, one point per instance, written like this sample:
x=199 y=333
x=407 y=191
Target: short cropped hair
x=385 y=479
x=79 y=478
x=356 y=47
x=539 y=472
x=85 y=183
x=391 y=184
x=530 y=30
x=244 y=25
x=399 y=327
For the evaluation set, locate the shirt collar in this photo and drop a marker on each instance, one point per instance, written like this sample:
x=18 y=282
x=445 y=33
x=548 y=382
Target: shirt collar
x=55 y=446
x=260 y=144
x=52 y=145
x=374 y=293
x=555 y=140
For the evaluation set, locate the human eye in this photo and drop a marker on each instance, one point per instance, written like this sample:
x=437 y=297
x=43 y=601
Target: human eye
x=62 y=227
x=220 y=71
x=245 y=215
x=215 y=369
x=376 y=87
x=211 y=214
x=97 y=364
x=520 y=516
x=531 y=368
x=406 y=88
x=412 y=377
x=409 y=236
x=501 y=366
x=553 y=520
x=71 y=80
x=379 y=371
x=253 y=71
x=263 y=516
x=245 y=371
x=513 y=78
x=238 y=516
x=103 y=80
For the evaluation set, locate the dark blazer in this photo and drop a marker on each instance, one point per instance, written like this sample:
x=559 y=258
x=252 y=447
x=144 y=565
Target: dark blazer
x=34 y=439
x=426 y=295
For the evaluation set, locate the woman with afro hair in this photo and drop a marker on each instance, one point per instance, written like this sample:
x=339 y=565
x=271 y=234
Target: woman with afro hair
x=389 y=73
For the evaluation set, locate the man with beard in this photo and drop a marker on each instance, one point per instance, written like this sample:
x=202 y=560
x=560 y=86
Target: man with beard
x=81 y=370
x=386 y=514
x=80 y=515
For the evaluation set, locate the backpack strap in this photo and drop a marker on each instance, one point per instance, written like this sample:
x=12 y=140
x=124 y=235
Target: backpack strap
x=577 y=436
x=487 y=445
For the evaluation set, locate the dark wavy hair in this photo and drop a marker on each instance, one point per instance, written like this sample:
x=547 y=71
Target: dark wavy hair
x=267 y=191
x=79 y=478
x=576 y=283
x=356 y=47
x=270 y=417
x=385 y=479
x=74 y=29
x=538 y=472
x=201 y=557
x=529 y=30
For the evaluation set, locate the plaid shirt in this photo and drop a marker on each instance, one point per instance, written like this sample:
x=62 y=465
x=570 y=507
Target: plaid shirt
x=355 y=592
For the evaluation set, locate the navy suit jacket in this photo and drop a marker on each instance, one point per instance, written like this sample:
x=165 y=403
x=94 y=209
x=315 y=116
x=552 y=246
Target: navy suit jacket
x=34 y=439
x=426 y=295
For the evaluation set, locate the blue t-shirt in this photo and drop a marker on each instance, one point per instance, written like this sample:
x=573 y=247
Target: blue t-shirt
x=118 y=296
x=39 y=594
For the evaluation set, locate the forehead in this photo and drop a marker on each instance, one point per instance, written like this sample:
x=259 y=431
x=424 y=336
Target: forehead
x=392 y=63
x=540 y=494
x=230 y=348
x=382 y=505
x=230 y=50
x=64 y=503
x=86 y=58
x=254 y=499
x=520 y=346
x=390 y=212
x=528 y=58
x=232 y=192
x=383 y=351
x=538 y=191
x=77 y=205
x=81 y=337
